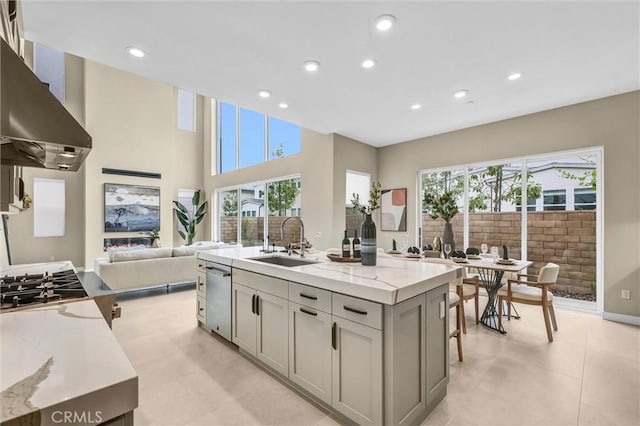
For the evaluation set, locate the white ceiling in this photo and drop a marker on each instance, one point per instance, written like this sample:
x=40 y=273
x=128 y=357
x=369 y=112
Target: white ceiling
x=569 y=51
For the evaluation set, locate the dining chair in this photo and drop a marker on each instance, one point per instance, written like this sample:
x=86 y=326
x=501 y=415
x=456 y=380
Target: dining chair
x=532 y=290
x=456 y=302
x=469 y=287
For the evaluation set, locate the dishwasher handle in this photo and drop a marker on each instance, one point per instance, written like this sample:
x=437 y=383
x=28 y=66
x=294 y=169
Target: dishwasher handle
x=218 y=272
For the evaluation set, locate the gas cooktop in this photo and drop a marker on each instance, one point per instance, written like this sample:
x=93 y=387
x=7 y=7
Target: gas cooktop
x=36 y=289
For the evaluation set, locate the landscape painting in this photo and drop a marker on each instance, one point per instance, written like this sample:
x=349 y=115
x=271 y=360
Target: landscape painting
x=131 y=208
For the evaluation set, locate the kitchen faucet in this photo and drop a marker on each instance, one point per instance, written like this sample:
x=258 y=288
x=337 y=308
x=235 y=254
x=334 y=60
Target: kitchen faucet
x=302 y=243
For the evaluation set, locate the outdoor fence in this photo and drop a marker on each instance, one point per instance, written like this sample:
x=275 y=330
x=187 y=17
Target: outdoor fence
x=567 y=238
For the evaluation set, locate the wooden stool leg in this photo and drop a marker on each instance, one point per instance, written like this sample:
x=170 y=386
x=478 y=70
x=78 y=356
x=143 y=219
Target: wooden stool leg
x=463 y=319
x=459 y=335
x=545 y=313
x=552 y=313
x=477 y=303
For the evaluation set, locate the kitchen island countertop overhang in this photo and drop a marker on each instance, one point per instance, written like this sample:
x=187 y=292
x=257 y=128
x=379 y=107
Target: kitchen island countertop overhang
x=391 y=281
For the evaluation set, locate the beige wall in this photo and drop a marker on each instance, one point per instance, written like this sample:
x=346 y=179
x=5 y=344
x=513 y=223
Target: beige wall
x=611 y=122
x=349 y=154
x=313 y=166
x=133 y=122
x=25 y=248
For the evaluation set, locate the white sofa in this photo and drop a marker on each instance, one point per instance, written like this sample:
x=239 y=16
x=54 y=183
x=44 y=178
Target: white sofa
x=137 y=268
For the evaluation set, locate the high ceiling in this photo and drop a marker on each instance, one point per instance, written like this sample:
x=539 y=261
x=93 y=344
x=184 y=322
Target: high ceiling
x=569 y=52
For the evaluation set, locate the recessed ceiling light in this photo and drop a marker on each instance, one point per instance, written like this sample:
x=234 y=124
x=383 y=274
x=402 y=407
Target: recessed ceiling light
x=459 y=94
x=368 y=63
x=264 y=93
x=514 y=76
x=311 y=66
x=283 y=105
x=471 y=102
x=135 y=51
x=385 y=22
x=416 y=106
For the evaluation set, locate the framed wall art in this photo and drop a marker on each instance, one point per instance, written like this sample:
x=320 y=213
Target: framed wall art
x=131 y=208
x=394 y=209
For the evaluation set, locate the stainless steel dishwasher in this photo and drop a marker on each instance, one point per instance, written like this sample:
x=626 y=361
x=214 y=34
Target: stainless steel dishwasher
x=219 y=299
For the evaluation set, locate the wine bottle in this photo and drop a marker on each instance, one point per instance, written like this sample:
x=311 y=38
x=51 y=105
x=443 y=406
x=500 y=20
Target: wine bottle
x=346 y=246
x=356 y=246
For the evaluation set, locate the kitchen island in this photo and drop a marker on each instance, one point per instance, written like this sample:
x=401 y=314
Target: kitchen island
x=369 y=343
x=61 y=364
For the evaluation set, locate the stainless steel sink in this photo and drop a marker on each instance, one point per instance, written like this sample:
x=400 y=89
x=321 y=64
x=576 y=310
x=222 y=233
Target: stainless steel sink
x=283 y=261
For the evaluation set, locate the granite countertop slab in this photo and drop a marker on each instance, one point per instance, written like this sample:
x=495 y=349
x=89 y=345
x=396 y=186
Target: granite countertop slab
x=390 y=281
x=61 y=358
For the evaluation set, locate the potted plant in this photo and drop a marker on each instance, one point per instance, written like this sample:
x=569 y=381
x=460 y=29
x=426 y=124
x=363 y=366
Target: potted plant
x=368 y=228
x=155 y=236
x=189 y=219
x=444 y=207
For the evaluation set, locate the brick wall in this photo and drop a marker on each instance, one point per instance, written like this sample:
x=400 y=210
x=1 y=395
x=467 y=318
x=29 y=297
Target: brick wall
x=567 y=238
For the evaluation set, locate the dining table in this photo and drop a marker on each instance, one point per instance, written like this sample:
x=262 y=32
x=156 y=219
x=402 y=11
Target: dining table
x=491 y=273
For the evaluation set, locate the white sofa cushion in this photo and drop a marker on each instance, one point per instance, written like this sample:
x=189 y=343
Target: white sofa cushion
x=196 y=247
x=523 y=291
x=151 y=253
x=111 y=251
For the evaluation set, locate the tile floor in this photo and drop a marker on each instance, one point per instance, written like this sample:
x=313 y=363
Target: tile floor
x=589 y=375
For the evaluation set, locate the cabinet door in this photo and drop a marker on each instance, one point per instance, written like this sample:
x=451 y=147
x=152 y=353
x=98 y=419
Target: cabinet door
x=243 y=318
x=273 y=332
x=310 y=350
x=357 y=371
x=437 y=316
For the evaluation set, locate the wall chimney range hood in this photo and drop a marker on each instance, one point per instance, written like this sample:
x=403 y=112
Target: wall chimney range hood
x=36 y=130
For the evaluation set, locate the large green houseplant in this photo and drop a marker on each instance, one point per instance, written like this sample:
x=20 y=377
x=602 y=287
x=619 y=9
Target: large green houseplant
x=442 y=206
x=190 y=218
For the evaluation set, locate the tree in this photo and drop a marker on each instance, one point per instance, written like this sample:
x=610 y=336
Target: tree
x=230 y=204
x=588 y=178
x=487 y=189
x=282 y=194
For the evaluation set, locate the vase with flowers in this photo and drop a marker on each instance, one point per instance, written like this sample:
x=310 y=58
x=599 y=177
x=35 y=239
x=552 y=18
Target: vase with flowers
x=445 y=207
x=368 y=227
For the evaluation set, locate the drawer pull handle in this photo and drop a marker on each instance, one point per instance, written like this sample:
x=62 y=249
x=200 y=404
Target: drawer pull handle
x=306 y=296
x=315 y=314
x=257 y=305
x=202 y=309
x=334 y=343
x=354 y=310
x=253 y=304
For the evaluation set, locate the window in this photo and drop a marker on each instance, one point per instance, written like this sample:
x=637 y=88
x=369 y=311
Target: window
x=531 y=205
x=186 y=110
x=263 y=207
x=48 y=207
x=227 y=124
x=584 y=199
x=49 y=67
x=251 y=138
x=284 y=138
x=243 y=139
x=555 y=199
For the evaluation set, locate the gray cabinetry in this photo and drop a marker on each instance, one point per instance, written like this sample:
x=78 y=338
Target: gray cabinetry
x=272 y=337
x=310 y=350
x=260 y=318
x=437 y=311
x=243 y=323
x=357 y=371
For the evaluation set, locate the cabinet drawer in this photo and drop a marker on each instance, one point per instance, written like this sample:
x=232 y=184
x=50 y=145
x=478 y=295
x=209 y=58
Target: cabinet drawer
x=310 y=296
x=201 y=284
x=357 y=310
x=201 y=309
x=264 y=283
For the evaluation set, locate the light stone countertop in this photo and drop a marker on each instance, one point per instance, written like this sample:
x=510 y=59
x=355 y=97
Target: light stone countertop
x=391 y=281
x=36 y=268
x=63 y=358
